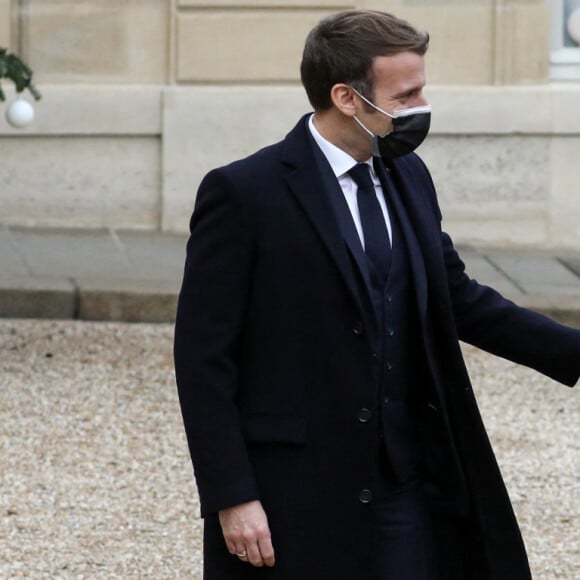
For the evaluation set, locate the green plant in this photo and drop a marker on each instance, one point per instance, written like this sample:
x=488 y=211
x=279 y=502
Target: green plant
x=11 y=67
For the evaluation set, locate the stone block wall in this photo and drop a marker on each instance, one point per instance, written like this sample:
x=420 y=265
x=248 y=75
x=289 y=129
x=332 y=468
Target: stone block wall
x=142 y=97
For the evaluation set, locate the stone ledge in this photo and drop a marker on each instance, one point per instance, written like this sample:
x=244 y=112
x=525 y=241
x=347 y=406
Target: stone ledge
x=534 y=109
x=92 y=110
x=213 y=4
x=138 y=109
x=128 y=300
x=156 y=301
x=27 y=297
x=88 y=299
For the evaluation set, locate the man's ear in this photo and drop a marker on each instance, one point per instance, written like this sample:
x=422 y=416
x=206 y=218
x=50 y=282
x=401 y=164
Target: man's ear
x=343 y=98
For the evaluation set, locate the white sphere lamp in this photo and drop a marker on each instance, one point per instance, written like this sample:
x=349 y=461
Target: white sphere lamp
x=20 y=114
x=573 y=25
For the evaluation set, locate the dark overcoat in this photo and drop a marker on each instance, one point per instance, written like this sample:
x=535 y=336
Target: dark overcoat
x=274 y=359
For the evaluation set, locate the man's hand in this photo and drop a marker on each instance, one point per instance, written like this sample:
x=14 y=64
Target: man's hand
x=247 y=534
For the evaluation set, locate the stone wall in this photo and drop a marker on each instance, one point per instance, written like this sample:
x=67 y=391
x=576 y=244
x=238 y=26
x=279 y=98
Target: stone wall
x=142 y=97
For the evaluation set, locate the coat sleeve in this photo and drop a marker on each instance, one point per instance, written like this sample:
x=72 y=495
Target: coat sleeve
x=487 y=320
x=210 y=316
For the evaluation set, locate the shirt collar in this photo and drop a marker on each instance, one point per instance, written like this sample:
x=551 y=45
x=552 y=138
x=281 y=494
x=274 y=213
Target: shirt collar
x=340 y=161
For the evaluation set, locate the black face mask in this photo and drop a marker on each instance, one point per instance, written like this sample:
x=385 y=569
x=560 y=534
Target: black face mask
x=410 y=127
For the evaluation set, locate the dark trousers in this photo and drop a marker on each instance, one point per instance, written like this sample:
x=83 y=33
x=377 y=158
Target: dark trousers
x=404 y=536
x=414 y=540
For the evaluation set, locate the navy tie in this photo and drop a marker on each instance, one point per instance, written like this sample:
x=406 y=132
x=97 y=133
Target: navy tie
x=376 y=237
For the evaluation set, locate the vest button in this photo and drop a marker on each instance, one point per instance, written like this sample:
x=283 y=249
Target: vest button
x=389 y=367
x=358 y=328
x=386 y=400
x=391 y=331
x=365 y=496
x=364 y=415
x=389 y=298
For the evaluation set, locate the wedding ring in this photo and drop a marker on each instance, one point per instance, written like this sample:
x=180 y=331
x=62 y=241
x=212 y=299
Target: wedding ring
x=242 y=554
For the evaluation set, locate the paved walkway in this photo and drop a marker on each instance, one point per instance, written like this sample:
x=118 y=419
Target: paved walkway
x=135 y=276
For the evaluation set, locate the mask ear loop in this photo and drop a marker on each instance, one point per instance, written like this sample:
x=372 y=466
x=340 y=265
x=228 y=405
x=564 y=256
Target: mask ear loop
x=399 y=112
x=374 y=138
x=372 y=104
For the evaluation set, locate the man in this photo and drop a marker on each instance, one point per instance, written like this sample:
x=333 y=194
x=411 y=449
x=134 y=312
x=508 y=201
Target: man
x=332 y=426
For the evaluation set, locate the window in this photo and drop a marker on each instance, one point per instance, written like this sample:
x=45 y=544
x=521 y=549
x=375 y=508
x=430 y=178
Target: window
x=565 y=55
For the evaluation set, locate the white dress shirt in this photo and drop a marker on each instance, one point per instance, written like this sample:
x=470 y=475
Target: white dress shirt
x=341 y=163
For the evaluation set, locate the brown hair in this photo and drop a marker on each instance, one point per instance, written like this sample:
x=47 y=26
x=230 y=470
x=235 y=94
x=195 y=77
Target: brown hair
x=342 y=47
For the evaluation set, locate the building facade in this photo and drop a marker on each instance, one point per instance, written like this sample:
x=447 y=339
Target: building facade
x=142 y=97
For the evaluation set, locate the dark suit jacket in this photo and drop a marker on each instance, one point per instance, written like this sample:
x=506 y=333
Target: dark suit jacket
x=274 y=360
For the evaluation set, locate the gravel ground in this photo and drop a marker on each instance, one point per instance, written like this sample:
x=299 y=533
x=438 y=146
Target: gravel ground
x=96 y=480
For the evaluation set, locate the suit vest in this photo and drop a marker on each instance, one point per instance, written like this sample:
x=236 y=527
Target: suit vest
x=401 y=368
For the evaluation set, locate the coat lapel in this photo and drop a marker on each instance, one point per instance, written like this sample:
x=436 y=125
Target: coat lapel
x=415 y=186
x=423 y=234
x=312 y=188
x=343 y=216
